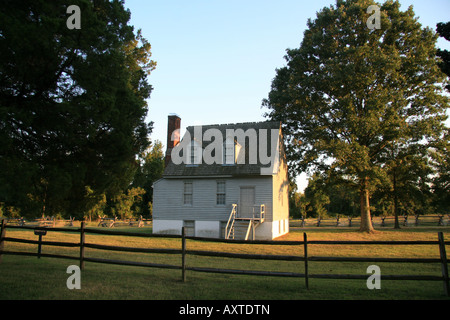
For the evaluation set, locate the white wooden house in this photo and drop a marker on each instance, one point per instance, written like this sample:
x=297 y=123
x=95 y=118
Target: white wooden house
x=227 y=181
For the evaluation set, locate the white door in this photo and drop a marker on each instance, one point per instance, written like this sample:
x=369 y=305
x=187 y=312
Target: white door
x=246 y=203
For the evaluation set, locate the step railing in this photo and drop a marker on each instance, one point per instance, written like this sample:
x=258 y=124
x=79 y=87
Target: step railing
x=229 y=229
x=257 y=217
x=262 y=213
x=249 y=229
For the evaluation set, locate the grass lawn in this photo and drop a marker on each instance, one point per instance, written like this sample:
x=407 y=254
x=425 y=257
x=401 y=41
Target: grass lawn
x=30 y=278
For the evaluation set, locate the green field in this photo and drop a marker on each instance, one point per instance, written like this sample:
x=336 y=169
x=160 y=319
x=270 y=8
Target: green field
x=30 y=278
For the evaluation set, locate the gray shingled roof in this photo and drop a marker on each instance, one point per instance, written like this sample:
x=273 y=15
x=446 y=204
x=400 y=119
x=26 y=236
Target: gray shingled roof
x=185 y=170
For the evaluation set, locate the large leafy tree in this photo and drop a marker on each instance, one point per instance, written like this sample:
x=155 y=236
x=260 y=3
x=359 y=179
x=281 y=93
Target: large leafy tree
x=441 y=149
x=72 y=103
x=349 y=92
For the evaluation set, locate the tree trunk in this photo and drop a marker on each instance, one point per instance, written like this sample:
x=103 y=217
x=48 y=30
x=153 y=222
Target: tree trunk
x=396 y=224
x=366 y=221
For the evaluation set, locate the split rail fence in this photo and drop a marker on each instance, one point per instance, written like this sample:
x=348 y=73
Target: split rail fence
x=184 y=252
x=377 y=221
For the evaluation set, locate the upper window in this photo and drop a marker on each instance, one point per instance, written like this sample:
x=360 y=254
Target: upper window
x=187 y=193
x=220 y=199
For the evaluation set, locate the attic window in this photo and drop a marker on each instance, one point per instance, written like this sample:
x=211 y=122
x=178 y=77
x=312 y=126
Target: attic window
x=229 y=147
x=194 y=154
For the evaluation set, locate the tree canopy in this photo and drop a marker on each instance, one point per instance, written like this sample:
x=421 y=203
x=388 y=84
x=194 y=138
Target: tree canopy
x=443 y=30
x=72 y=104
x=349 y=93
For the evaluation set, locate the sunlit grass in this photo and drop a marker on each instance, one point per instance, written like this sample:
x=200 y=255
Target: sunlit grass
x=45 y=278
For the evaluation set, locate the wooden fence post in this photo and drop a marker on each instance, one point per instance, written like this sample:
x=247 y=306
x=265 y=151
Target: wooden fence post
x=444 y=266
x=2 y=236
x=183 y=254
x=39 y=245
x=82 y=245
x=305 y=247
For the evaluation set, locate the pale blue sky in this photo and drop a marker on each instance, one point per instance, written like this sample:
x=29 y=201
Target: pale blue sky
x=216 y=58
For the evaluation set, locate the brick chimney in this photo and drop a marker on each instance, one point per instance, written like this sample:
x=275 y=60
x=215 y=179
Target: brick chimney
x=173 y=135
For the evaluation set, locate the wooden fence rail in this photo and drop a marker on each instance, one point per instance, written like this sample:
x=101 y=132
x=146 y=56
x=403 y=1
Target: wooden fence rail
x=184 y=252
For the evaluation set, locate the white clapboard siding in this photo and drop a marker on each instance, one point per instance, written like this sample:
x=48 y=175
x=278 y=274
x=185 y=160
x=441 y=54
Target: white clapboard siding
x=280 y=193
x=168 y=198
